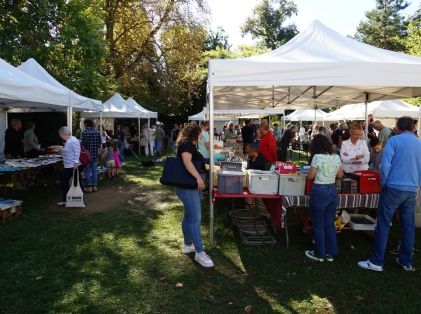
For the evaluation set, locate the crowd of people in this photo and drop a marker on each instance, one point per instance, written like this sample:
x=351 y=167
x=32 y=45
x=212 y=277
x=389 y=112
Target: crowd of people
x=334 y=151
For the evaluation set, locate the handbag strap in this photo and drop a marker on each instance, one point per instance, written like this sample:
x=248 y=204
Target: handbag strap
x=77 y=177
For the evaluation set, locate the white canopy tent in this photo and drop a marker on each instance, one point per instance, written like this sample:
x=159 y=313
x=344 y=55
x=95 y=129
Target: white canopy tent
x=306 y=115
x=380 y=109
x=317 y=68
x=20 y=90
x=74 y=102
x=115 y=107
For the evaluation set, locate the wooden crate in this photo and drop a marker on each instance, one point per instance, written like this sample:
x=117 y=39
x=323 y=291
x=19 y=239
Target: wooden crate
x=11 y=212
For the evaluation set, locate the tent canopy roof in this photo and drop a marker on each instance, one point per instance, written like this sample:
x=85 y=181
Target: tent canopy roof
x=117 y=107
x=318 y=67
x=144 y=112
x=306 y=115
x=381 y=109
x=18 y=89
x=78 y=102
x=226 y=114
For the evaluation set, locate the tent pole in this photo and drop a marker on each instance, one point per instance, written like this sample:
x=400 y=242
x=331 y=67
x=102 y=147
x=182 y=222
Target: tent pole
x=138 y=133
x=149 y=122
x=366 y=116
x=419 y=121
x=101 y=123
x=211 y=165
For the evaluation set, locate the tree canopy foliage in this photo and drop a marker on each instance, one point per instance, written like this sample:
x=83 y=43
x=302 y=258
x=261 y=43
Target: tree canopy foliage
x=268 y=23
x=157 y=51
x=385 y=25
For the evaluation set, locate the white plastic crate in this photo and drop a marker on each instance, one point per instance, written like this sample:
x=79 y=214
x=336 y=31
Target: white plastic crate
x=262 y=182
x=292 y=184
x=362 y=222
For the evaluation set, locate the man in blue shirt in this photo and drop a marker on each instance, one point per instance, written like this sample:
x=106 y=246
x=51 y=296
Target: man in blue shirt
x=400 y=171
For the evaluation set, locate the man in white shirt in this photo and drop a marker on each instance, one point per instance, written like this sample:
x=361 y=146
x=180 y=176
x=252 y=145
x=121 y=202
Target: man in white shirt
x=354 y=152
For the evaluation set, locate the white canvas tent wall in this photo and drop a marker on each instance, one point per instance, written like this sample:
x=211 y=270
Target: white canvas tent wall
x=306 y=115
x=20 y=90
x=380 y=109
x=76 y=102
x=317 y=68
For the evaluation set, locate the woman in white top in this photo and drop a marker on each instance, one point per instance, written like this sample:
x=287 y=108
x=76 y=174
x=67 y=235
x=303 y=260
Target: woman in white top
x=354 y=152
x=71 y=163
x=325 y=168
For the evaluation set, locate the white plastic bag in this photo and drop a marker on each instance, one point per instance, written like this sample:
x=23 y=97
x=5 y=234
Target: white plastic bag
x=74 y=197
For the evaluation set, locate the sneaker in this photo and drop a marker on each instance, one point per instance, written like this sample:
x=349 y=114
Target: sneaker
x=61 y=203
x=88 y=189
x=94 y=189
x=405 y=268
x=310 y=255
x=329 y=258
x=395 y=250
x=369 y=265
x=188 y=249
x=203 y=259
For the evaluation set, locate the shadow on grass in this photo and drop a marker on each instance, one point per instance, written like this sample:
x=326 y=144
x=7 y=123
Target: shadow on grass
x=108 y=262
x=129 y=261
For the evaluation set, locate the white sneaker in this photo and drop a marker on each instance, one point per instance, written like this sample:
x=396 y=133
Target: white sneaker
x=188 y=249
x=203 y=259
x=369 y=265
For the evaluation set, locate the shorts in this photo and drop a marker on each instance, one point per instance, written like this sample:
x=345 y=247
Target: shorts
x=110 y=163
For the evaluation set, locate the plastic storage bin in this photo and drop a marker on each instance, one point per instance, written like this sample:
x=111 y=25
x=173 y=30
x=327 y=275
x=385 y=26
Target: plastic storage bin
x=231 y=183
x=369 y=181
x=292 y=184
x=262 y=182
x=231 y=166
x=362 y=222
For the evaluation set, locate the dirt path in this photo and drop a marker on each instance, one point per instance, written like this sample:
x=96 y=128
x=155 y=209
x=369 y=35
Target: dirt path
x=118 y=197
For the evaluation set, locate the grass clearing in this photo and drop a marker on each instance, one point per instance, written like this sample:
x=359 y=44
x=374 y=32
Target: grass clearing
x=128 y=260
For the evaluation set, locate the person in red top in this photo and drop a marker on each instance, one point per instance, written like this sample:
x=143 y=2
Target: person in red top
x=267 y=148
x=267 y=145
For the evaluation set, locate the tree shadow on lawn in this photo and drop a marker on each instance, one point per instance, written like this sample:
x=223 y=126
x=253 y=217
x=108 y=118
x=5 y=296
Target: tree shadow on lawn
x=108 y=262
x=301 y=285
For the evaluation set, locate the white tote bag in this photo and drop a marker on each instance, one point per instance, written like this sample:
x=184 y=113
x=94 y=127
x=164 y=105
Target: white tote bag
x=74 y=197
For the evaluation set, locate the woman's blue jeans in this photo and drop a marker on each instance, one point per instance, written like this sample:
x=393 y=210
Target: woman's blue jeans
x=390 y=201
x=91 y=168
x=324 y=200
x=192 y=217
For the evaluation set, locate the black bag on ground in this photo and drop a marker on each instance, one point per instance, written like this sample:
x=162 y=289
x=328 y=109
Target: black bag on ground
x=175 y=174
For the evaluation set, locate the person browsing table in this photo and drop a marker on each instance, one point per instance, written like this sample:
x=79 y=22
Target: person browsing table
x=71 y=163
x=267 y=145
x=325 y=168
x=354 y=152
x=400 y=177
x=187 y=151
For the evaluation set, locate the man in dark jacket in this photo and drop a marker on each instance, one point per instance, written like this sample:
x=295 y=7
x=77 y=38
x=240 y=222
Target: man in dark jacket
x=14 y=140
x=91 y=140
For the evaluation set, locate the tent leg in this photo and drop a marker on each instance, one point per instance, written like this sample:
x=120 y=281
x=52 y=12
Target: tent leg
x=70 y=118
x=138 y=134
x=366 y=116
x=419 y=121
x=211 y=167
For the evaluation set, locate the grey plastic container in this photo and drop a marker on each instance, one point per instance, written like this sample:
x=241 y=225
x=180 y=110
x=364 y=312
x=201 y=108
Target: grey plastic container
x=230 y=183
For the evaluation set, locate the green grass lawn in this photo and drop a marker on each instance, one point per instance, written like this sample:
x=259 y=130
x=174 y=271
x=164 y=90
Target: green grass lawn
x=128 y=260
